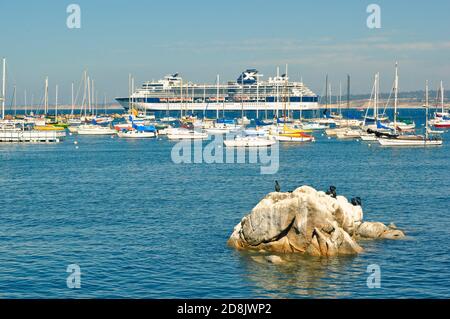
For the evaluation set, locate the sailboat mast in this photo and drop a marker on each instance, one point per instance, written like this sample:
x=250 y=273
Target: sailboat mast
x=217 y=97
x=442 y=97
x=257 y=97
x=426 y=110
x=395 y=97
x=15 y=99
x=46 y=97
x=278 y=90
x=88 y=94
x=375 y=107
x=25 y=101
x=56 y=104
x=326 y=93
x=242 y=100
x=348 y=91
x=71 y=112
x=181 y=95
x=4 y=89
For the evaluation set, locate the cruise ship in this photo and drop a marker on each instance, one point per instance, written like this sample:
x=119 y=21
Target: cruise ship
x=247 y=93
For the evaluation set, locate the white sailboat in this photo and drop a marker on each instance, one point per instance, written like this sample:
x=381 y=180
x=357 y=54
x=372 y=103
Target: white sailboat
x=441 y=119
x=249 y=141
x=414 y=140
x=137 y=134
x=182 y=134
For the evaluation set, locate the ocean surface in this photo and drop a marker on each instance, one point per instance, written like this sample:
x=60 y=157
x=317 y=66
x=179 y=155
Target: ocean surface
x=141 y=226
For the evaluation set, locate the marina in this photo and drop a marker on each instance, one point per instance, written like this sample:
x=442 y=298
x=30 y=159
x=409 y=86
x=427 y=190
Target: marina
x=232 y=158
x=100 y=167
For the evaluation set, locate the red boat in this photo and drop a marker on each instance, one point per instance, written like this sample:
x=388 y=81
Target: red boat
x=442 y=124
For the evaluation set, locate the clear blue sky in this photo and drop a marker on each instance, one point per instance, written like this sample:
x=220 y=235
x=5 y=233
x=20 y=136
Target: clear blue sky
x=202 y=38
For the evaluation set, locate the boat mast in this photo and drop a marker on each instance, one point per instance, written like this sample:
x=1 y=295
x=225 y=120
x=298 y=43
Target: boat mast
x=301 y=98
x=326 y=94
x=46 y=97
x=426 y=110
x=348 y=91
x=442 y=98
x=71 y=112
x=257 y=98
x=217 y=97
x=25 y=101
x=4 y=89
x=92 y=109
x=181 y=96
x=375 y=109
x=242 y=100
x=395 y=97
x=15 y=100
x=56 y=105
x=278 y=90
x=83 y=107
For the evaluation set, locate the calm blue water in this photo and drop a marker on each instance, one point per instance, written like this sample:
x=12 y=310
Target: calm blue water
x=140 y=226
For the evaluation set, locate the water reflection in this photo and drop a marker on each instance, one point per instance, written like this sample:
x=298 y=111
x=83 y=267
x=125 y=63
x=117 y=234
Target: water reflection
x=302 y=275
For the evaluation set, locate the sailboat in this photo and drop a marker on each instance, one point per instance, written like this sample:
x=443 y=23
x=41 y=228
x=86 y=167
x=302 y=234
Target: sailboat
x=414 y=140
x=287 y=134
x=441 y=119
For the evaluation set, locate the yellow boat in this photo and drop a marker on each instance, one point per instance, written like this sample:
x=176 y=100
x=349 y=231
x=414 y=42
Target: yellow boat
x=48 y=128
x=290 y=130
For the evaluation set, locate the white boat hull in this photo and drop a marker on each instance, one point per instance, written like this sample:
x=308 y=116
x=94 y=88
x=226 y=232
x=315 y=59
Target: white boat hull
x=249 y=142
x=281 y=138
x=408 y=142
x=95 y=130
x=136 y=134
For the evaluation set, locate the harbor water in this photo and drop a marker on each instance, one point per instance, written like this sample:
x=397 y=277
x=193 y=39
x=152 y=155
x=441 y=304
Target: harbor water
x=141 y=226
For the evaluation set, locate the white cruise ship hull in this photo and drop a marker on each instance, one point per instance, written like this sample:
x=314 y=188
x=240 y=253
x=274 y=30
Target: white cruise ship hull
x=293 y=106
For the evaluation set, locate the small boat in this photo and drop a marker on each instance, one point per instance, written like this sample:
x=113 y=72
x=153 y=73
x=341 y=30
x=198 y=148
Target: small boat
x=182 y=134
x=349 y=134
x=368 y=137
x=414 y=140
x=313 y=126
x=348 y=123
x=92 y=129
x=223 y=126
x=139 y=131
x=441 y=119
x=288 y=134
x=168 y=119
x=48 y=127
x=335 y=131
x=249 y=141
x=136 y=134
x=442 y=123
x=243 y=121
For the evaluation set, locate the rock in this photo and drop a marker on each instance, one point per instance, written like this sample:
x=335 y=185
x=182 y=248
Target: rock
x=274 y=259
x=371 y=229
x=375 y=230
x=306 y=221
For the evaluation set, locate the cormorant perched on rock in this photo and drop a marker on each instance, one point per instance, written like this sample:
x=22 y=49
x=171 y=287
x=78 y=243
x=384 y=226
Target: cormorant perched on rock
x=356 y=201
x=277 y=187
x=332 y=192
